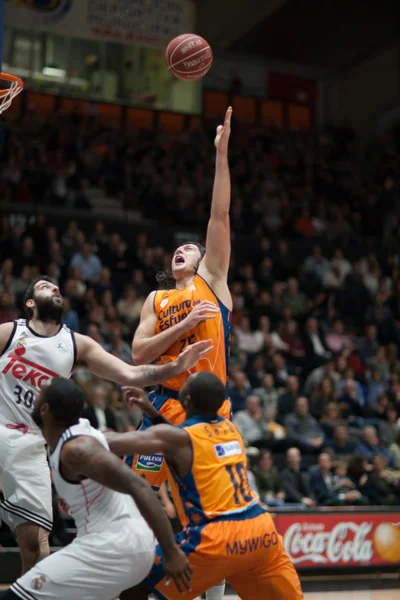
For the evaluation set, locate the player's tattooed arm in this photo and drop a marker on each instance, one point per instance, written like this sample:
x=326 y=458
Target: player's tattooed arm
x=107 y=366
x=85 y=457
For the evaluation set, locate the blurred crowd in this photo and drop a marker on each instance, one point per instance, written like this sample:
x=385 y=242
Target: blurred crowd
x=315 y=369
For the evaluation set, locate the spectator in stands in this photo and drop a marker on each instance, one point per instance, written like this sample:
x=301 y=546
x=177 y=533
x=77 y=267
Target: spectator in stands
x=303 y=429
x=70 y=318
x=331 y=418
x=294 y=299
x=377 y=384
x=318 y=374
x=394 y=451
x=368 y=344
x=268 y=480
x=130 y=306
x=323 y=395
x=336 y=339
x=248 y=340
x=389 y=428
x=99 y=416
x=296 y=484
x=382 y=487
x=340 y=443
x=370 y=445
x=239 y=388
x=317 y=264
x=268 y=395
x=288 y=399
x=88 y=264
x=118 y=346
x=316 y=350
x=253 y=425
x=349 y=402
x=324 y=485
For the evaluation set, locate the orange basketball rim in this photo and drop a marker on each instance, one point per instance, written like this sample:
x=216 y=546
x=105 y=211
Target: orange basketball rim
x=10 y=86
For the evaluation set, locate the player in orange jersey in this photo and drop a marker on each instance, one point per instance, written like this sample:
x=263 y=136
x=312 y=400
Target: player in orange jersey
x=197 y=308
x=227 y=534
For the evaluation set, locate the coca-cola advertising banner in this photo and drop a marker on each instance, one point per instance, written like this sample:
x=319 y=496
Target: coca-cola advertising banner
x=341 y=540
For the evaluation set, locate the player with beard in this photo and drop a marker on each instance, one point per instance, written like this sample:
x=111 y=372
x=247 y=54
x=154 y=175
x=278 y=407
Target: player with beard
x=33 y=352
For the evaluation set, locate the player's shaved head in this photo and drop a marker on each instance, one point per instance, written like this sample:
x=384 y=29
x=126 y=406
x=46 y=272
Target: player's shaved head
x=62 y=400
x=203 y=393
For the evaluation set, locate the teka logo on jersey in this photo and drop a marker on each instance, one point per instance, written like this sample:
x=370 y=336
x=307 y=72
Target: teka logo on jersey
x=27 y=371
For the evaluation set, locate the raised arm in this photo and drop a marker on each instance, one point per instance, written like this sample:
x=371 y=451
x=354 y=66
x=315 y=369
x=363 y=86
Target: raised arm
x=147 y=346
x=86 y=457
x=218 y=244
x=107 y=366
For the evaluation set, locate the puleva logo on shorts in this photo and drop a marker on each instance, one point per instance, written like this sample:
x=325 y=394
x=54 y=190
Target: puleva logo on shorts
x=51 y=10
x=151 y=462
x=228 y=449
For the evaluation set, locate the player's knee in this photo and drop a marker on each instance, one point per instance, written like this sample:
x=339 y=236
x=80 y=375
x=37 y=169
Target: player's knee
x=34 y=545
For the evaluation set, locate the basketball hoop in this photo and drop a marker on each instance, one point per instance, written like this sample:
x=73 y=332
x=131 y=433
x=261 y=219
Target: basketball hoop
x=10 y=86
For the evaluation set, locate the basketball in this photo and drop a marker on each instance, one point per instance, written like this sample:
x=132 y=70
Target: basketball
x=189 y=57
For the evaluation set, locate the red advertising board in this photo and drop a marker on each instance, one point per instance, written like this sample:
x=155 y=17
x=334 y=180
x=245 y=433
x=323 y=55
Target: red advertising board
x=341 y=540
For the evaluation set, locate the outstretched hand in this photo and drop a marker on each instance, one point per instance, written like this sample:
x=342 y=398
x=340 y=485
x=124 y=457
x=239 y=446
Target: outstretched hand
x=223 y=133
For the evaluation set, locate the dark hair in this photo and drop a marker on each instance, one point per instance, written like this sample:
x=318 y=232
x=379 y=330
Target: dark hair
x=30 y=292
x=66 y=401
x=207 y=392
x=165 y=279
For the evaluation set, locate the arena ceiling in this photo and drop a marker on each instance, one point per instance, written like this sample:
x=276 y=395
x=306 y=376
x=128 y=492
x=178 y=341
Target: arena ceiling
x=325 y=34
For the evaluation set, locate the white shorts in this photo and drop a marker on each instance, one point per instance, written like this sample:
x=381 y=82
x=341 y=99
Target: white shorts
x=97 y=566
x=25 y=477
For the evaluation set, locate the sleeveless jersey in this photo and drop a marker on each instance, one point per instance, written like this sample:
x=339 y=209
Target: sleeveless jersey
x=28 y=361
x=91 y=504
x=171 y=307
x=216 y=485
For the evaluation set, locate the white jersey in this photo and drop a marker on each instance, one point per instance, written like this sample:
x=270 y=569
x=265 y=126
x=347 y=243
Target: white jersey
x=27 y=362
x=92 y=505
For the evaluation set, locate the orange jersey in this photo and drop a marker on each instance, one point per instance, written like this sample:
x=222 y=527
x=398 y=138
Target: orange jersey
x=171 y=307
x=216 y=485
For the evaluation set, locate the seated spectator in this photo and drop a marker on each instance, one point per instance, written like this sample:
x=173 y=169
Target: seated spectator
x=253 y=426
x=252 y=480
x=323 y=395
x=368 y=344
x=99 y=416
x=379 y=362
x=268 y=394
x=318 y=374
x=336 y=339
x=280 y=369
x=294 y=299
x=70 y=317
x=358 y=469
x=118 y=346
x=317 y=264
x=238 y=389
x=248 y=340
x=377 y=385
x=331 y=418
x=291 y=337
x=324 y=486
x=370 y=445
x=333 y=279
x=395 y=451
x=303 y=429
x=349 y=402
x=340 y=443
x=268 y=481
x=381 y=487
x=295 y=484
x=314 y=344
x=88 y=263
x=389 y=428
x=288 y=399
x=256 y=371
x=104 y=284
x=130 y=306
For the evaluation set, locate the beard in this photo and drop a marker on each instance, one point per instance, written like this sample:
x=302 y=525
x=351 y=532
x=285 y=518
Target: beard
x=37 y=417
x=49 y=311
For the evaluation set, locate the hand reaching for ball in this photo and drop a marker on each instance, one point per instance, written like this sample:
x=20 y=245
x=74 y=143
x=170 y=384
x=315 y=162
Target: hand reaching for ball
x=223 y=133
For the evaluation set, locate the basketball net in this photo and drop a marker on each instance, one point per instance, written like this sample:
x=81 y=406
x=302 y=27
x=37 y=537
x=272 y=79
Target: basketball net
x=11 y=87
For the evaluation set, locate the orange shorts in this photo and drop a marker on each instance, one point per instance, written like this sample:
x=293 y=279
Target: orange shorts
x=244 y=549
x=154 y=467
